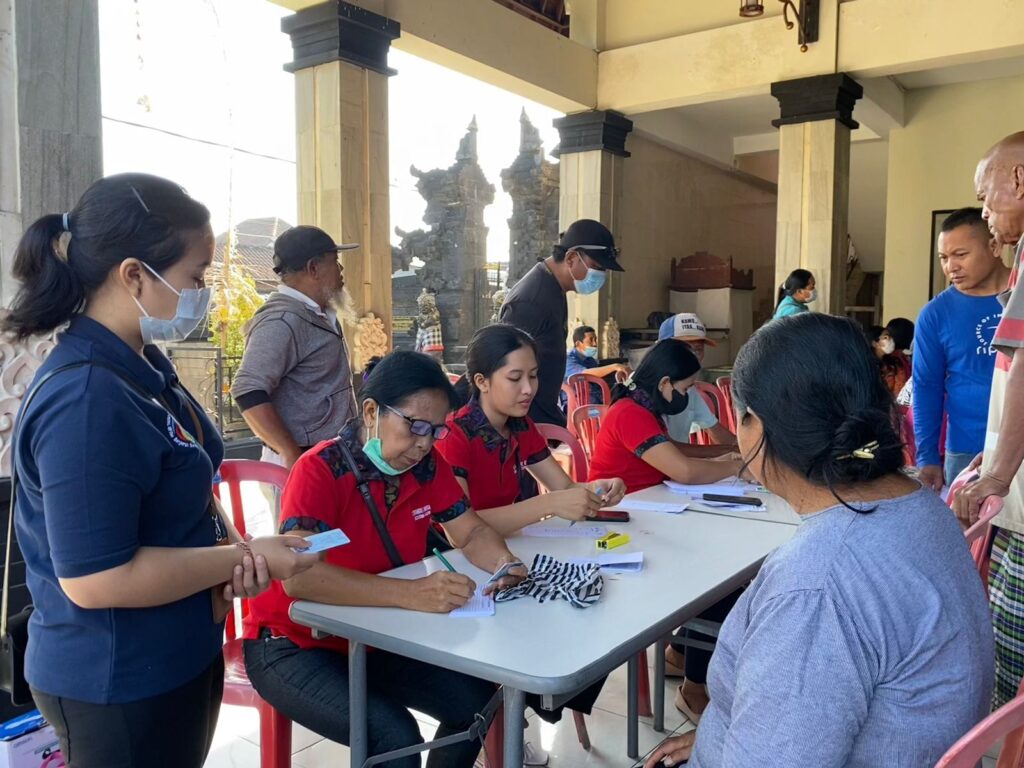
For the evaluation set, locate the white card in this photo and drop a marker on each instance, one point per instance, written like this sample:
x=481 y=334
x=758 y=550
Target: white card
x=319 y=542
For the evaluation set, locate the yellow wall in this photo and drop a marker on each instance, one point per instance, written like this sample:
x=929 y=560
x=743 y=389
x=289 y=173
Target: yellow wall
x=931 y=167
x=673 y=205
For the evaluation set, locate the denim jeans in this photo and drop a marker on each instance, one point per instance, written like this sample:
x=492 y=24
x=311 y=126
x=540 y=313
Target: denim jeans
x=955 y=464
x=311 y=687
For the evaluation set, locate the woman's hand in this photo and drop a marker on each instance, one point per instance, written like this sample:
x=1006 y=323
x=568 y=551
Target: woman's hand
x=278 y=552
x=610 y=491
x=440 y=592
x=510 y=579
x=576 y=503
x=672 y=751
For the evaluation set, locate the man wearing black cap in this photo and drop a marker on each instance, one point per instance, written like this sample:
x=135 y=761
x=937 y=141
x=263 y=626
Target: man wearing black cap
x=537 y=304
x=294 y=386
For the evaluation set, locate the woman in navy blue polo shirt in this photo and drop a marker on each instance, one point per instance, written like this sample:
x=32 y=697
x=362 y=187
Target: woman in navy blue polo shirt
x=116 y=462
x=492 y=442
x=390 y=447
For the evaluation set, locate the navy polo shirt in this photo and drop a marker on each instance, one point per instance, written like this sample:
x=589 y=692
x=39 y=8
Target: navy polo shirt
x=104 y=470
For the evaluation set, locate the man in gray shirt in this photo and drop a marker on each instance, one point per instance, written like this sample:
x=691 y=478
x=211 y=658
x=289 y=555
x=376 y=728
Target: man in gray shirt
x=294 y=386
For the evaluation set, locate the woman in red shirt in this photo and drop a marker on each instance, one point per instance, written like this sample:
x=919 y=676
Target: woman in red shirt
x=634 y=442
x=390 y=446
x=491 y=441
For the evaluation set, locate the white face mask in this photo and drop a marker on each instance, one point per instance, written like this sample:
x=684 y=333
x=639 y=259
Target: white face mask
x=193 y=304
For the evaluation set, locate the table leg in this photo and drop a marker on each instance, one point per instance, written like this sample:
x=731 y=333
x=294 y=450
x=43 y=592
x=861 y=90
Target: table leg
x=357 y=703
x=659 y=686
x=515 y=707
x=632 y=712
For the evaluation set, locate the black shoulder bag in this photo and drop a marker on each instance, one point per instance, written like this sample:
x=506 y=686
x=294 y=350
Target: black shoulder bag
x=378 y=521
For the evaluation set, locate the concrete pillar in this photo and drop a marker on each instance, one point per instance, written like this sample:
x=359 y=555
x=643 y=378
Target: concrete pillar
x=814 y=181
x=341 y=120
x=591 y=150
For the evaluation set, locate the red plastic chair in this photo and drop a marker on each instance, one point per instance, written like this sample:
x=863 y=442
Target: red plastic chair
x=1004 y=722
x=979 y=536
x=580 y=463
x=275 y=728
x=587 y=420
x=724 y=384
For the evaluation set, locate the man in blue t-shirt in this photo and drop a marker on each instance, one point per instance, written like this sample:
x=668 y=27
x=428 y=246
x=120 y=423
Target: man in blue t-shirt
x=953 y=356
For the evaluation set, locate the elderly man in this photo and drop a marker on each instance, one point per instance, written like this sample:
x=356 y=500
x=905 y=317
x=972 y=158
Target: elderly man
x=999 y=182
x=294 y=386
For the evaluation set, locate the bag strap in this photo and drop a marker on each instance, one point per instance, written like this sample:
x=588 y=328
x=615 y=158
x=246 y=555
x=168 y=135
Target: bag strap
x=5 y=598
x=378 y=521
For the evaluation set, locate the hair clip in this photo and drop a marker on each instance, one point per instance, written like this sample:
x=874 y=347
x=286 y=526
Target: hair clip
x=866 y=452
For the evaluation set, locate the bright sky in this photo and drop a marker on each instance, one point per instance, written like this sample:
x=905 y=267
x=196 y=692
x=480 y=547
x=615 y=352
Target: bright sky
x=183 y=82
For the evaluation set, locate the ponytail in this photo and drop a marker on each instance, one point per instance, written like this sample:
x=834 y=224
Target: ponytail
x=62 y=259
x=50 y=293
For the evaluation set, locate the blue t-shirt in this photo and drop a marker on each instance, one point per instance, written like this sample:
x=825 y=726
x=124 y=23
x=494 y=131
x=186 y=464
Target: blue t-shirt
x=864 y=641
x=104 y=471
x=953 y=365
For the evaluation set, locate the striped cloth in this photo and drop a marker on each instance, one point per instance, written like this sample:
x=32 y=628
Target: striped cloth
x=1006 y=595
x=551 y=579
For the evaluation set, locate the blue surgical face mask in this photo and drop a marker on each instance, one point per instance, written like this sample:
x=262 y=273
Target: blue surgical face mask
x=193 y=304
x=592 y=282
x=590 y=352
x=372 y=449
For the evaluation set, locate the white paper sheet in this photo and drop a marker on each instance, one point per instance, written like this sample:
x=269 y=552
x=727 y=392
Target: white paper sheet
x=479 y=606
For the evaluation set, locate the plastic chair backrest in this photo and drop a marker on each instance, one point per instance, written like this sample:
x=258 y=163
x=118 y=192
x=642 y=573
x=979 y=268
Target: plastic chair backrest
x=580 y=465
x=968 y=751
x=602 y=385
x=724 y=384
x=233 y=473
x=587 y=420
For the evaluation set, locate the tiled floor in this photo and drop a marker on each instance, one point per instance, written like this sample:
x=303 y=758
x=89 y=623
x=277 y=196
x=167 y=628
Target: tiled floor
x=236 y=744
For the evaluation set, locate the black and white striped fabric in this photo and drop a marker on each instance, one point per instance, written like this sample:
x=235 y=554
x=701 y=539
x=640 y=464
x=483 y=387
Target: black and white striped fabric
x=551 y=579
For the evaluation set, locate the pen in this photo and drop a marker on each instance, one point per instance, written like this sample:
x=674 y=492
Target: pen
x=444 y=560
x=600 y=491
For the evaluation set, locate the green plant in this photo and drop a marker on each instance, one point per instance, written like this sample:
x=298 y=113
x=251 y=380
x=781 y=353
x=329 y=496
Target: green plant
x=235 y=301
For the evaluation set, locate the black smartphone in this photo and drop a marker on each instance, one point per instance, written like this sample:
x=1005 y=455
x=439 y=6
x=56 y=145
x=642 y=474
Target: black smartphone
x=611 y=516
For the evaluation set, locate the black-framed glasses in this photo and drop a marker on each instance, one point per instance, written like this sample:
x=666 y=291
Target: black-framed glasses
x=421 y=427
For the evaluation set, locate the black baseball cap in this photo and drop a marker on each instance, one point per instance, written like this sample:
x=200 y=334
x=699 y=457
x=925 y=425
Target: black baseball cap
x=295 y=247
x=594 y=238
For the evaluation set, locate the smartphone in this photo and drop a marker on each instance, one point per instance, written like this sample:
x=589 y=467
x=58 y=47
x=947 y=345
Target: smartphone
x=610 y=516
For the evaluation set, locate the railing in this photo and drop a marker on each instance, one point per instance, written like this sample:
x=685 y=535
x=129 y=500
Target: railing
x=208 y=374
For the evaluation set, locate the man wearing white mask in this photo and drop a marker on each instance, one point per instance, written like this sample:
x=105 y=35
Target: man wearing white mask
x=294 y=386
x=537 y=304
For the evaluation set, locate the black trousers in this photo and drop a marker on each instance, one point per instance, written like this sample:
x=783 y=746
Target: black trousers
x=171 y=730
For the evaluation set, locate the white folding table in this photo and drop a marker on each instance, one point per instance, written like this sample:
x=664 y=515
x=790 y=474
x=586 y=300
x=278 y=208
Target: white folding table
x=552 y=649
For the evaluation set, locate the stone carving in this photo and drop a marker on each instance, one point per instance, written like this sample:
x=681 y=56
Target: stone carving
x=369 y=340
x=496 y=301
x=453 y=248
x=429 y=338
x=610 y=346
x=532 y=183
x=19 y=362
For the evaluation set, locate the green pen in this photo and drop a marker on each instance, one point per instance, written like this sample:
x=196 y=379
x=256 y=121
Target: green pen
x=444 y=560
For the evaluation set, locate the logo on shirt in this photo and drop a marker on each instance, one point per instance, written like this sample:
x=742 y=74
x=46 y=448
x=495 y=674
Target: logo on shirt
x=419 y=514
x=985 y=332
x=178 y=435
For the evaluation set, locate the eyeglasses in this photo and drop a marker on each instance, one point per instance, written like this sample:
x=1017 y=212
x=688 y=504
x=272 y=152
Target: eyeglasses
x=422 y=428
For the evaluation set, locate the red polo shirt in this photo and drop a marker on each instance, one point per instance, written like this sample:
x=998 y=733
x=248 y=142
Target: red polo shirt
x=490 y=464
x=321 y=494
x=630 y=429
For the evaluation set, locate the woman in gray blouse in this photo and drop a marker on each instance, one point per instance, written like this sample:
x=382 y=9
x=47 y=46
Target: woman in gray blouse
x=866 y=639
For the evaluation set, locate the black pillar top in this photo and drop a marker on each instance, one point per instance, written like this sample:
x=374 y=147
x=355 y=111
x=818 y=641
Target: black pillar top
x=340 y=31
x=823 y=97
x=597 y=129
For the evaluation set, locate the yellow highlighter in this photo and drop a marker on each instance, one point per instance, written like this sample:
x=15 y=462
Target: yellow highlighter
x=611 y=541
